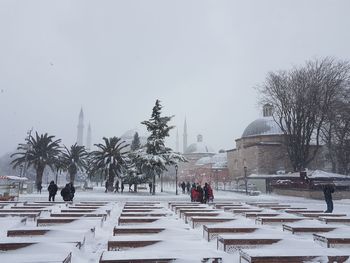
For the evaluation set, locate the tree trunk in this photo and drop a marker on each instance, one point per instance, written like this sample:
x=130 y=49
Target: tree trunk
x=39 y=177
x=110 y=180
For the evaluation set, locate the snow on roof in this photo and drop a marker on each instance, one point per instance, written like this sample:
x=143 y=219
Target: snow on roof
x=218 y=160
x=262 y=126
x=317 y=174
x=322 y=174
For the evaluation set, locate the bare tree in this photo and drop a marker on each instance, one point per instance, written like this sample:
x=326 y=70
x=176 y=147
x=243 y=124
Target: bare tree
x=302 y=98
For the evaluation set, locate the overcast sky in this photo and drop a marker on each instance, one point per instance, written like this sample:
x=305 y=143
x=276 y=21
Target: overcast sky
x=202 y=59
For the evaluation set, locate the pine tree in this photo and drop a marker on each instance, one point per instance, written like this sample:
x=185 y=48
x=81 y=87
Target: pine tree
x=135 y=144
x=155 y=156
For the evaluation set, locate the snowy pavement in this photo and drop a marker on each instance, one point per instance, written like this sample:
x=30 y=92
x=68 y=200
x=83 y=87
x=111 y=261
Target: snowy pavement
x=178 y=240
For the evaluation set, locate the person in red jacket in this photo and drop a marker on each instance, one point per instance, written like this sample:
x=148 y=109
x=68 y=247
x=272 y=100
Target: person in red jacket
x=210 y=194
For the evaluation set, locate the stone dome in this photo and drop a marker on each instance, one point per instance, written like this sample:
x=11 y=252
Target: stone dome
x=199 y=147
x=262 y=126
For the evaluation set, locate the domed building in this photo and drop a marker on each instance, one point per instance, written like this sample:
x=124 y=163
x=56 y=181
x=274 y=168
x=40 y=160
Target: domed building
x=261 y=149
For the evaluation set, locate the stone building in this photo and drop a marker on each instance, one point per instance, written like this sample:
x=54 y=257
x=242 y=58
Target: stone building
x=261 y=149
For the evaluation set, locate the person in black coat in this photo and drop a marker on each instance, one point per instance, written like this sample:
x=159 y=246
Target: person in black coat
x=71 y=191
x=65 y=193
x=328 y=190
x=122 y=187
x=116 y=189
x=52 y=191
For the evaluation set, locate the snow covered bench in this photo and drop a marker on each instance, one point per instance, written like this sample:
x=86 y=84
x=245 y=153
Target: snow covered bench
x=332 y=240
x=262 y=203
x=63 y=220
x=306 y=229
x=230 y=243
x=194 y=209
x=277 y=219
x=342 y=220
x=120 y=230
x=117 y=257
x=294 y=211
x=101 y=215
x=315 y=215
x=30 y=208
x=188 y=215
x=222 y=206
x=21 y=211
x=250 y=215
x=210 y=232
x=292 y=255
x=200 y=220
x=272 y=205
x=27 y=232
x=183 y=208
x=37 y=258
x=77 y=210
x=143 y=207
x=175 y=203
x=142 y=203
x=136 y=210
x=137 y=220
x=32 y=215
x=127 y=242
x=142 y=214
x=245 y=210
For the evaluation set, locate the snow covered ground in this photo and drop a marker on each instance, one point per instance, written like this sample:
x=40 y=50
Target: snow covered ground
x=178 y=240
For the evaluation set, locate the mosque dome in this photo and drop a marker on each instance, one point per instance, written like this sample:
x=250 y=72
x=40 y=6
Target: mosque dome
x=262 y=126
x=199 y=147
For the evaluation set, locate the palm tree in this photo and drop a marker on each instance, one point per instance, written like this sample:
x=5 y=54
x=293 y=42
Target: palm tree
x=110 y=158
x=74 y=159
x=39 y=151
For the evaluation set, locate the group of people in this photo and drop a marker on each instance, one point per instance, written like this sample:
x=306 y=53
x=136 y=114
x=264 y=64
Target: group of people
x=202 y=194
x=67 y=192
x=116 y=187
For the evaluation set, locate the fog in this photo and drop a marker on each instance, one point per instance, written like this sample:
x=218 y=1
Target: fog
x=201 y=58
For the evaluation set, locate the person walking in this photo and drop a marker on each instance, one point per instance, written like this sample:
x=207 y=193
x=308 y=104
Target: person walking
x=71 y=191
x=52 y=191
x=106 y=186
x=328 y=190
x=122 y=187
x=206 y=193
x=200 y=194
x=210 y=194
x=183 y=186
x=65 y=193
x=188 y=188
x=150 y=187
x=116 y=186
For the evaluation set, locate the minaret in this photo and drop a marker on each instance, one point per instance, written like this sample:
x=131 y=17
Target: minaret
x=88 y=138
x=80 y=128
x=177 y=141
x=185 y=137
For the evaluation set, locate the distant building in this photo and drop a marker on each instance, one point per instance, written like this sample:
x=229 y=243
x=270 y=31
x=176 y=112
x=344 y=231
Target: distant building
x=261 y=149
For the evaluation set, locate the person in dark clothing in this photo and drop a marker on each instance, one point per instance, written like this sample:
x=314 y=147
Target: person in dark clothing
x=116 y=186
x=200 y=194
x=188 y=188
x=39 y=187
x=328 y=190
x=52 y=191
x=122 y=187
x=106 y=186
x=183 y=186
x=150 y=187
x=206 y=193
x=65 y=193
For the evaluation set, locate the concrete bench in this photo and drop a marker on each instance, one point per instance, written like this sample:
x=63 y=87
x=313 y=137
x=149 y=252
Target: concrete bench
x=101 y=215
x=116 y=257
x=262 y=203
x=171 y=204
x=272 y=205
x=130 y=214
x=188 y=215
x=89 y=205
x=137 y=220
x=277 y=219
x=292 y=255
x=84 y=207
x=244 y=210
x=136 y=210
x=199 y=220
x=185 y=210
x=229 y=243
x=332 y=240
x=126 y=242
x=174 y=206
x=306 y=229
x=342 y=220
x=95 y=202
x=315 y=215
x=36 y=205
x=78 y=210
x=210 y=232
x=20 y=211
x=63 y=220
x=17 y=214
x=294 y=211
x=143 y=207
x=222 y=206
x=178 y=208
x=136 y=230
x=27 y=232
x=250 y=215
x=37 y=257
x=279 y=207
x=142 y=203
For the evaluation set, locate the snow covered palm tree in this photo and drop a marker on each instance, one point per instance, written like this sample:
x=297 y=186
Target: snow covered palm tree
x=111 y=157
x=74 y=159
x=39 y=151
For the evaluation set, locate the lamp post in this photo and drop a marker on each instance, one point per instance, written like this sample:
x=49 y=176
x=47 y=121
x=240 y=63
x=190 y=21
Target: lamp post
x=245 y=180
x=176 y=168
